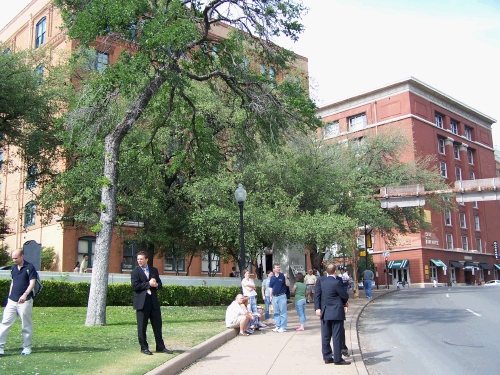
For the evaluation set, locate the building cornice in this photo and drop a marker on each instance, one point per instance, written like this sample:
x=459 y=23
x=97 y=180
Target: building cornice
x=416 y=87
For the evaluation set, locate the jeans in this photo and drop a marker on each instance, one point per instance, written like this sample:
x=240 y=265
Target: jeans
x=280 y=312
x=253 y=308
x=267 y=301
x=368 y=288
x=300 y=306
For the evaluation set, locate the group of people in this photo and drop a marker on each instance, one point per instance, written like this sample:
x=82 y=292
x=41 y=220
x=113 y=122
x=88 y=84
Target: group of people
x=83 y=267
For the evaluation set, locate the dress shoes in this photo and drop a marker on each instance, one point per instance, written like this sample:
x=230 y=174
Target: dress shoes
x=165 y=350
x=146 y=351
x=328 y=361
x=342 y=362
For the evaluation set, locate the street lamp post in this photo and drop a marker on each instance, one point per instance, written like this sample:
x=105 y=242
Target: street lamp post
x=240 y=194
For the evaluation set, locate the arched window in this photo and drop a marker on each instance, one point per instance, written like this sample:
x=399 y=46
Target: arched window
x=29 y=213
x=41 y=30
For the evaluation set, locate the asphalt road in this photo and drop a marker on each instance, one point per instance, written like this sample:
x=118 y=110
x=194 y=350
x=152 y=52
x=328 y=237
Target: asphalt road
x=432 y=331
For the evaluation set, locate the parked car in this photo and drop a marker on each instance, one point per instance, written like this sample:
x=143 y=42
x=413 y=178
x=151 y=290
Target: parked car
x=492 y=283
x=5 y=268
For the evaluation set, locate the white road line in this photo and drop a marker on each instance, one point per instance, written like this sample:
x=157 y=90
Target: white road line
x=475 y=313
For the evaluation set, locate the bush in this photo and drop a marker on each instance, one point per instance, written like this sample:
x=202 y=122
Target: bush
x=72 y=294
x=47 y=258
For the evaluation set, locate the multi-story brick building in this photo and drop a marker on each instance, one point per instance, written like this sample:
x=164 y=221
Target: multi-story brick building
x=458 y=248
x=39 y=25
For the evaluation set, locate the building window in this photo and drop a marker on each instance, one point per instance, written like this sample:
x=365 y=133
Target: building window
x=331 y=129
x=86 y=246
x=1 y=159
x=447 y=217
x=456 y=152
x=475 y=204
x=479 y=245
x=357 y=122
x=470 y=156
x=173 y=264
x=39 y=74
x=31 y=177
x=468 y=133
x=449 y=241
x=465 y=243
x=210 y=263
x=442 y=168
x=439 y=120
x=463 y=222
x=458 y=173
x=477 y=226
x=29 y=214
x=454 y=127
x=102 y=61
x=441 y=146
x=472 y=176
x=130 y=250
x=41 y=30
x=263 y=69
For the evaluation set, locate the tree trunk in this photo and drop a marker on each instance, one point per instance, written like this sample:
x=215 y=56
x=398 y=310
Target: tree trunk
x=96 y=308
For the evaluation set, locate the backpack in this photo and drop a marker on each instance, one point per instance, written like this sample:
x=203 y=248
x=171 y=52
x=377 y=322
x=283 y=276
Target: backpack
x=38 y=285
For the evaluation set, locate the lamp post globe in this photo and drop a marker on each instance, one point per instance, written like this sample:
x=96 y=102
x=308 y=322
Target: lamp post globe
x=240 y=194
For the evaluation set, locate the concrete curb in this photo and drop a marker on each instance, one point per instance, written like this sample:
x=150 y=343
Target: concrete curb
x=175 y=365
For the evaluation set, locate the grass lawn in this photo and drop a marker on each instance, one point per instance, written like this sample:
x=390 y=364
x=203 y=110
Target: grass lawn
x=63 y=345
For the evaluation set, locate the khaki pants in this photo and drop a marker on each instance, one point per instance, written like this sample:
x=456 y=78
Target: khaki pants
x=11 y=312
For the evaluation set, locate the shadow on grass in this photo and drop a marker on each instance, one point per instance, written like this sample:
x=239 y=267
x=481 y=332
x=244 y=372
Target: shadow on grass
x=69 y=349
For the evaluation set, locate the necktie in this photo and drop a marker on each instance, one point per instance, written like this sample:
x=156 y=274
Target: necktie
x=146 y=271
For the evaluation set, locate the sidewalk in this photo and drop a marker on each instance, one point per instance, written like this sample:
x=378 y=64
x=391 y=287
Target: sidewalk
x=271 y=353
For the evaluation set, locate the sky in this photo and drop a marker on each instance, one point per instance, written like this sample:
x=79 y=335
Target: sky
x=357 y=45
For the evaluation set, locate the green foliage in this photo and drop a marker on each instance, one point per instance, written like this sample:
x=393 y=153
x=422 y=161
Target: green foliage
x=72 y=294
x=4 y=255
x=47 y=258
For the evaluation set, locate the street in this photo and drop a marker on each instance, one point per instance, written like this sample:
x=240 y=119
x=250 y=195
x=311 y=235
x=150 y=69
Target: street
x=432 y=331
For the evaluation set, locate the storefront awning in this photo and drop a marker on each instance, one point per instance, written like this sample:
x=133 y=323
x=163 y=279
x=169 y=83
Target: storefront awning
x=497 y=266
x=485 y=266
x=398 y=264
x=438 y=263
x=470 y=265
x=456 y=264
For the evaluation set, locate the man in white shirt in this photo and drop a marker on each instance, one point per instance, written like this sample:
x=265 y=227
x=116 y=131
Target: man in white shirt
x=237 y=315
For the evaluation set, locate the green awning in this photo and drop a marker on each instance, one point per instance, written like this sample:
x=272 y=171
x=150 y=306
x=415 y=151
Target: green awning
x=395 y=264
x=485 y=266
x=456 y=264
x=438 y=263
x=497 y=266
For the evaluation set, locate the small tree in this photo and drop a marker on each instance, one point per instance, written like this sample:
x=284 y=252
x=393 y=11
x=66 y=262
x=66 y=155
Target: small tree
x=4 y=255
x=47 y=260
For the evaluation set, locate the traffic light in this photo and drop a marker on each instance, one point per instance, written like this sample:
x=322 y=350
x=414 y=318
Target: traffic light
x=495 y=249
x=386 y=260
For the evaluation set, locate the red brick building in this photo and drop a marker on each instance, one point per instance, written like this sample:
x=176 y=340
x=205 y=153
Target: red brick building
x=459 y=247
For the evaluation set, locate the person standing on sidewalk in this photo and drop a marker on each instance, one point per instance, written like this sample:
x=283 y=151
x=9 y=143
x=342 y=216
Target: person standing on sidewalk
x=367 y=282
x=277 y=293
x=248 y=287
x=310 y=281
x=299 y=289
x=330 y=298
x=265 y=294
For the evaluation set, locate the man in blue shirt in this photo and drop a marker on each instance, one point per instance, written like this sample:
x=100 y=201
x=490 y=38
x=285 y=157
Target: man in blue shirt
x=277 y=295
x=20 y=302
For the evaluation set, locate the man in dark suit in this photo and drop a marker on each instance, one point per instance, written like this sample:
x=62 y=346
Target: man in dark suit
x=145 y=283
x=330 y=298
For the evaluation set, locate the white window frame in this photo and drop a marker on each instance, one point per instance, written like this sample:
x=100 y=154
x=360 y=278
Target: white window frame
x=479 y=245
x=443 y=169
x=472 y=175
x=441 y=146
x=475 y=204
x=357 y=122
x=463 y=220
x=331 y=130
x=447 y=218
x=40 y=32
x=468 y=133
x=458 y=173
x=477 y=223
x=465 y=243
x=449 y=241
x=470 y=157
x=439 y=120
x=454 y=127
x=102 y=61
x=456 y=152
